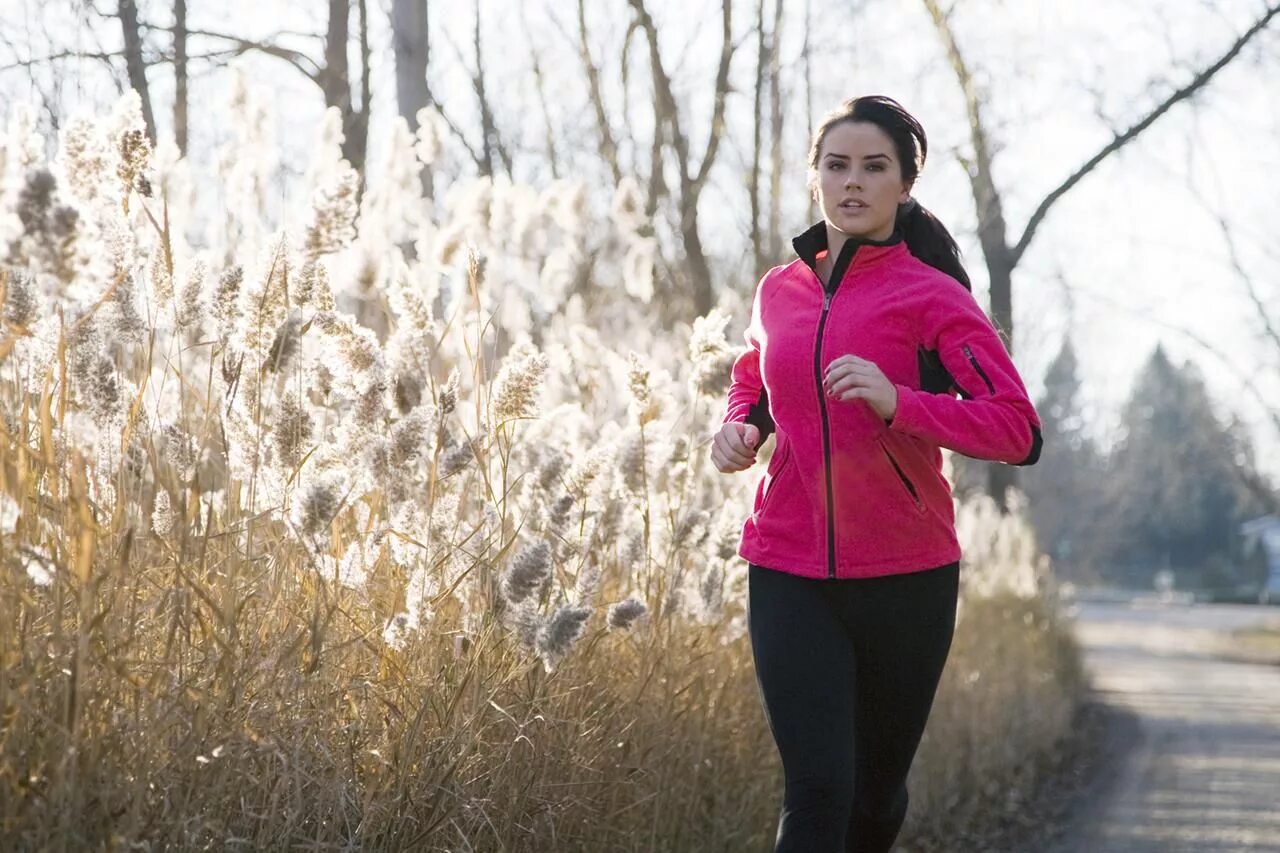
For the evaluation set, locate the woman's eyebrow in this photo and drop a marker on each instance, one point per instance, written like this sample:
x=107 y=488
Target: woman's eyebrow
x=831 y=156
x=877 y=157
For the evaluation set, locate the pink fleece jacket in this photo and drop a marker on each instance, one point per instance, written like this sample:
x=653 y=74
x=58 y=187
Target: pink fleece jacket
x=847 y=495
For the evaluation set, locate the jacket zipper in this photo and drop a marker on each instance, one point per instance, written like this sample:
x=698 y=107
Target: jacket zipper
x=991 y=389
x=838 y=269
x=826 y=433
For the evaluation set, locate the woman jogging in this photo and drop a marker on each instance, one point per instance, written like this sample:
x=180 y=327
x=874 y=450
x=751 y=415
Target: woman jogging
x=866 y=355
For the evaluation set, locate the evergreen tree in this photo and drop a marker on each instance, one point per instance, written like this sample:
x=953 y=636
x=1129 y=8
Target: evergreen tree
x=1174 y=496
x=1062 y=487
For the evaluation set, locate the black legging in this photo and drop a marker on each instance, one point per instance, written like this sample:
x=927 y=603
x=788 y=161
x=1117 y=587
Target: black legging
x=847 y=672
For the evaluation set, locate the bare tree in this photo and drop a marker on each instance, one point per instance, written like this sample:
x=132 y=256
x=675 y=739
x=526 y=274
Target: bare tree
x=336 y=83
x=775 y=136
x=180 y=74
x=1002 y=254
x=127 y=11
x=411 y=42
x=692 y=179
x=608 y=147
x=757 y=144
x=490 y=142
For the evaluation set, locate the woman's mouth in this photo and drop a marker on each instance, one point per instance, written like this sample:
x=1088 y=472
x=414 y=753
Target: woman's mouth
x=852 y=206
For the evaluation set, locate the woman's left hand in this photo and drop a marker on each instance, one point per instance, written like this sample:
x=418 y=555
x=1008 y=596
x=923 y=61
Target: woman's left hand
x=851 y=378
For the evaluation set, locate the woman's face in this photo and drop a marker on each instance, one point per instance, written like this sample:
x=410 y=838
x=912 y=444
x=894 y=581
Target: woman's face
x=859 y=182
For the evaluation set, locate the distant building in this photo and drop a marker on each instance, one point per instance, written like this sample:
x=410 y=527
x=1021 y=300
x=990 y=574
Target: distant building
x=1264 y=533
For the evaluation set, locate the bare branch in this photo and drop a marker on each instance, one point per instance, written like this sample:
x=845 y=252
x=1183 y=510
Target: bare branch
x=716 y=131
x=664 y=97
x=991 y=224
x=1196 y=84
x=1243 y=376
x=66 y=54
x=1236 y=264
x=293 y=57
x=540 y=83
x=607 y=146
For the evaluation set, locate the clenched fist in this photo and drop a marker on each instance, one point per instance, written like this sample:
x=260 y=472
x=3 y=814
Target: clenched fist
x=734 y=447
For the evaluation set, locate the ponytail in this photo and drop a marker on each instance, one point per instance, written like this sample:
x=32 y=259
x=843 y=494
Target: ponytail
x=930 y=241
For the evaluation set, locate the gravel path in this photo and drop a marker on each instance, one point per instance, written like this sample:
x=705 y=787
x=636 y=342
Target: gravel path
x=1194 y=743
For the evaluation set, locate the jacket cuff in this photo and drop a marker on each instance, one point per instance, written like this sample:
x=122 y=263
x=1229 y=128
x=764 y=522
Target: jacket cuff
x=906 y=417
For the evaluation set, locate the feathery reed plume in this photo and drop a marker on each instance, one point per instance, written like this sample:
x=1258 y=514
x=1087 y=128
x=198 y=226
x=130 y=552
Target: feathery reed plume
x=519 y=380
x=316 y=508
x=587 y=584
x=128 y=326
x=180 y=451
x=84 y=158
x=292 y=430
x=50 y=230
x=456 y=458
x=525 y=622
x=710 y=354
x=284 y=346
x=191 y=305
x=631 y=460
x=646 y=405
x=134 y=158
x=226 y=301
x=529 y=572
x=162 y=514
x=20 y=303
x=625 y=614
x=334 y=209
x=559 y=634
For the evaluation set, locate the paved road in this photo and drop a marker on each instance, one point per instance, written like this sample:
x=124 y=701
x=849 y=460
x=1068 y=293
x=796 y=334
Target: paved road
x=1196 y=740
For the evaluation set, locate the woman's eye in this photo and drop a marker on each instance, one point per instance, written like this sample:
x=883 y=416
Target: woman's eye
x=875 y=167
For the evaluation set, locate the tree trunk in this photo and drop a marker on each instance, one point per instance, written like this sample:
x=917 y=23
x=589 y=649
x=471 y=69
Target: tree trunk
x=180 y=75
x=410 y=38
x=691 y=180
x=336 y=83
x=757 y=144
x=696 y=265
x=134 y=63
x=775 y=131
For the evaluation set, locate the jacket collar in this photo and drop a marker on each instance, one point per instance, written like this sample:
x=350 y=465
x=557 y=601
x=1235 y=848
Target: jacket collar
x=814 y=240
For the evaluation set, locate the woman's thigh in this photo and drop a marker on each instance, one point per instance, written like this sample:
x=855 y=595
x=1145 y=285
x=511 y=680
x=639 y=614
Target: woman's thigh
x=805 y=669
x=903 y=627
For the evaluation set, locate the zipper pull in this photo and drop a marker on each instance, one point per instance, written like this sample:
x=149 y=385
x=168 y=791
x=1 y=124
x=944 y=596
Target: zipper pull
x=826 y=299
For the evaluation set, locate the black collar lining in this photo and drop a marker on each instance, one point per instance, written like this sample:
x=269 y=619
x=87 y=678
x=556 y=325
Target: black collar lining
x=814 y=240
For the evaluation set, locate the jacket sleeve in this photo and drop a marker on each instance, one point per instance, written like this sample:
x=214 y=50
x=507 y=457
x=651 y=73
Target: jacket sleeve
x=994 y=419
x=748 y=401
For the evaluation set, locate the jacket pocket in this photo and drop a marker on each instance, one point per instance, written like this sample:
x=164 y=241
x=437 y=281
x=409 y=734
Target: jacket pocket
x=973 y=362
x=910 y=487
x=777 y=464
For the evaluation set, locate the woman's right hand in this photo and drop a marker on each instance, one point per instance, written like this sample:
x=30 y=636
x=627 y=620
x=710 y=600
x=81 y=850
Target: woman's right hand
x=734 y=447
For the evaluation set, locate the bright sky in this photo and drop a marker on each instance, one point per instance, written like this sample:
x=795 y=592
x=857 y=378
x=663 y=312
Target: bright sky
x=1128 y=258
